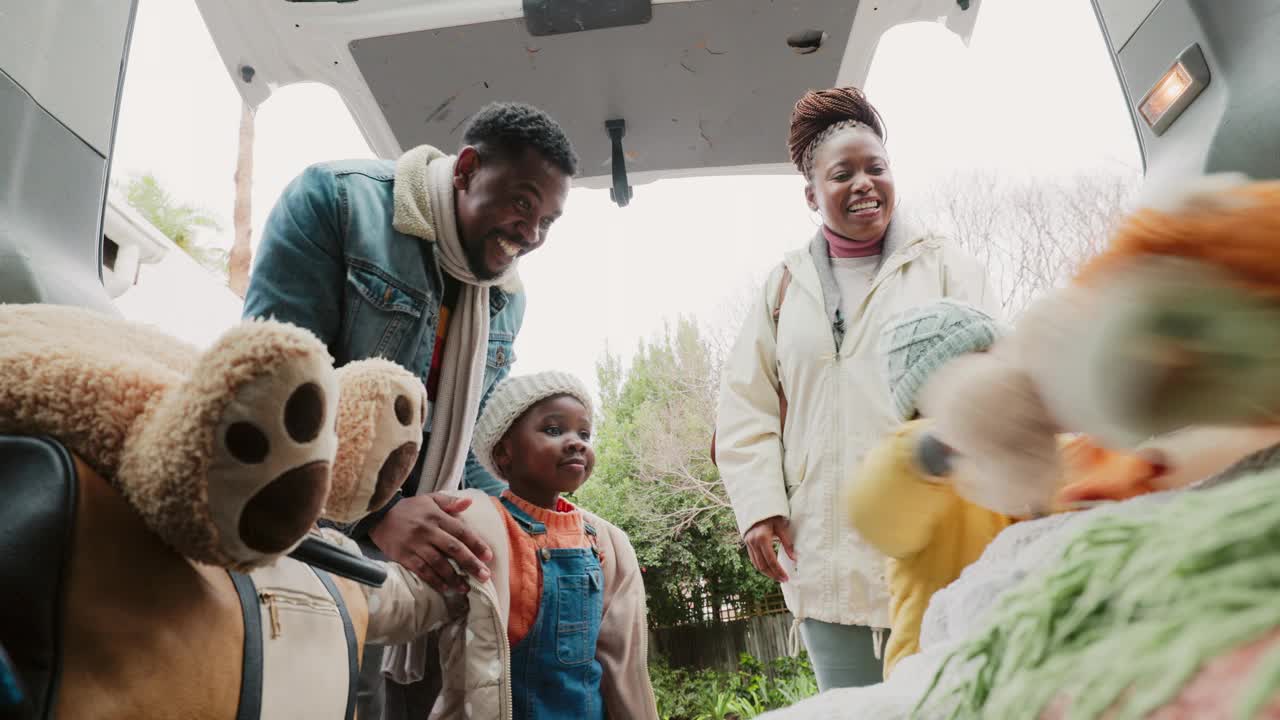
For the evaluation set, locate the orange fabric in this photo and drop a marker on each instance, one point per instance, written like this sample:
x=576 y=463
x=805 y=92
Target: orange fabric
x=1094 y=473
x=1236 y=234
x=564 y=530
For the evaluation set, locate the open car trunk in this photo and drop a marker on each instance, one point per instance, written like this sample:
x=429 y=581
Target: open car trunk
x=1201 y=80
x=703 y=86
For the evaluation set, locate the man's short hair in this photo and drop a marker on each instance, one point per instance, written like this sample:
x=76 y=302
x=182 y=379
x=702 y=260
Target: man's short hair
x=509 y=128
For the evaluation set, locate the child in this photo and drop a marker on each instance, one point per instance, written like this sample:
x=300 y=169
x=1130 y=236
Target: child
x=559 y=630
x=928 y=531
x=904 y=499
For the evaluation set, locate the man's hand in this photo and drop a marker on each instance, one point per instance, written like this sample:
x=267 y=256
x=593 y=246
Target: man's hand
x=760 y=541
x=422 y=533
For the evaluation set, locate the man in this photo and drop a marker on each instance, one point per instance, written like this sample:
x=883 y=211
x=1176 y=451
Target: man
x=415 y=261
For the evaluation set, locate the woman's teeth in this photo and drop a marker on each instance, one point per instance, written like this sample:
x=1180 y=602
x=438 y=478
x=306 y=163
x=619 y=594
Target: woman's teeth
x=864 y=205
x=508 y=247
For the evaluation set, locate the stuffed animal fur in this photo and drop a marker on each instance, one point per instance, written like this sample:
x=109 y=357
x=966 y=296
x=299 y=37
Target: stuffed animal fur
x=191 y=463
x=1175 y=325
x=227 y=455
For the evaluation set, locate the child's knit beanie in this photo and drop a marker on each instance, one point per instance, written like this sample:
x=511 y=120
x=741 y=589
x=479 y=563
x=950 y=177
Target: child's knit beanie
x=917 y=342
x=511 y=399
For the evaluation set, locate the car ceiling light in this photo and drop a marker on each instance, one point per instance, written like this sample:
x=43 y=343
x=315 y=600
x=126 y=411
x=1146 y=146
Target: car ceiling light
x=1175 y=90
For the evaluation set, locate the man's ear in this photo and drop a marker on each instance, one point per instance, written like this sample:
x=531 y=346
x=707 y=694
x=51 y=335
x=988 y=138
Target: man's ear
x=808 y=196
x=465 y=169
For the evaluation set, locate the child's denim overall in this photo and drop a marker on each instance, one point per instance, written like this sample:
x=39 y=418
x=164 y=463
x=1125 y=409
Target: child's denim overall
x=554 y=671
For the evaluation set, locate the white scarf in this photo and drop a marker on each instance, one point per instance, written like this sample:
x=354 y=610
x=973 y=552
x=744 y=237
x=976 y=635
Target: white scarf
x=423 y=196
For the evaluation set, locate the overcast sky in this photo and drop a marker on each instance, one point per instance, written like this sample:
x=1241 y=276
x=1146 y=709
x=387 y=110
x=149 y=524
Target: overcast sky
x=1034 y=95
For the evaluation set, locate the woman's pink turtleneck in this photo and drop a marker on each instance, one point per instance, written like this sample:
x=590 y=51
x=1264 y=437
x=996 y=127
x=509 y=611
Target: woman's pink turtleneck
x=839 y=246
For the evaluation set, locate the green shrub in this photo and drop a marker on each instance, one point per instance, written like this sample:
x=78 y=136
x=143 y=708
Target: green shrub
x=710 y=694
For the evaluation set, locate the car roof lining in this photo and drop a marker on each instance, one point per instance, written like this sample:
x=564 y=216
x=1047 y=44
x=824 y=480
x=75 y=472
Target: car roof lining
x=695 y=91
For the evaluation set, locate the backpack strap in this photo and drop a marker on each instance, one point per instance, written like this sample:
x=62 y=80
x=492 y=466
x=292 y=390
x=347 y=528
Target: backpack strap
x=777 y=313
x=251 y=673
x=783 y=283
x=353 y=657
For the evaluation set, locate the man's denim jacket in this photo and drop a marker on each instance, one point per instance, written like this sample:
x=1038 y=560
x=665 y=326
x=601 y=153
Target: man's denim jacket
x=329 y=261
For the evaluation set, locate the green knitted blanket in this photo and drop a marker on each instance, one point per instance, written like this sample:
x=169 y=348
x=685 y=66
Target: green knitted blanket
x=1133 y=604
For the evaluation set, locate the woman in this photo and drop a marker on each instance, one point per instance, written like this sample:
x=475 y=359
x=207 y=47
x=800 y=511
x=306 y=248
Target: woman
x=803 y=398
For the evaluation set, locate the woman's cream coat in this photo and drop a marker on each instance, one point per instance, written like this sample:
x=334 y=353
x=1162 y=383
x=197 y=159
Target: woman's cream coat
x=838 y=409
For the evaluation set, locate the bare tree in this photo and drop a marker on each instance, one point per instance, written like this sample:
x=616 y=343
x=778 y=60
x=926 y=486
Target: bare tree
x=670 y=430
x=241 y=251
x=1031 y=235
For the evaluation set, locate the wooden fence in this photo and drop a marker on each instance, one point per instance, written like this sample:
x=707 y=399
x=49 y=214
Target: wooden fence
x=718 y=644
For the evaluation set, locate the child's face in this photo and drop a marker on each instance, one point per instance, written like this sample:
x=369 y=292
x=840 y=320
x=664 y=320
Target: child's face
x=547 y=451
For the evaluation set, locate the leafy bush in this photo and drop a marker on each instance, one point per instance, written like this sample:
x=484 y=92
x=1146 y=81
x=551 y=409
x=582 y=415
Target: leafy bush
x=710 y=694
x=654 y=479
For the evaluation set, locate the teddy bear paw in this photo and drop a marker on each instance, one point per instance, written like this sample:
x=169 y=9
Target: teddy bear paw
x=381 y=412
x=273 y=454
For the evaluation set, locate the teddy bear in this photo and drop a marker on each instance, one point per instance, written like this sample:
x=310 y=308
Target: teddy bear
x=196 y=474
x=1174 y=325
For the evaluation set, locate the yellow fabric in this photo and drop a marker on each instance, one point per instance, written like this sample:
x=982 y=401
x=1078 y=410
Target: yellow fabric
x=928 y=531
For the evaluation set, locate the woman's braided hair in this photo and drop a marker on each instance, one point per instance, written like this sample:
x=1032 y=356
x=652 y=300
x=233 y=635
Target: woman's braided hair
x=819 y=114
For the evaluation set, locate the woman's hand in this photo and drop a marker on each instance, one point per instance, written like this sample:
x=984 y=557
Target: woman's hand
x=760 y=541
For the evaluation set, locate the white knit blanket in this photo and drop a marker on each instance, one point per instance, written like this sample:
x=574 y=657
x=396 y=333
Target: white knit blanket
x=958 y=611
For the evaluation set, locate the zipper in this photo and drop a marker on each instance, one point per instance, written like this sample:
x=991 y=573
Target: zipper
x=882 y=276
x=835 y=460
x=896 y=262
x=506 y=662
x=892 y=264
x=488 y=593
x=295 y=601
